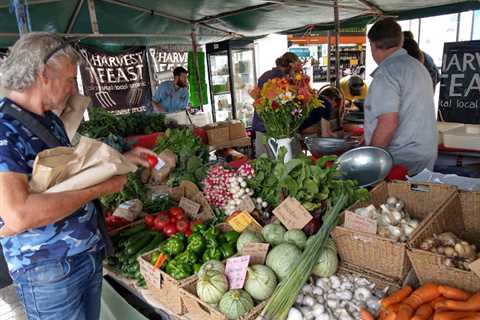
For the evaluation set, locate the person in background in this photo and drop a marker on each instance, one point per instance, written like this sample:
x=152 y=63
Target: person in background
x=53 y=243
x=413 y=50
x=427 y=60
x=172 y=95
x=282 y=69
x=399 y=109
x=318 y=121
x=353 y=88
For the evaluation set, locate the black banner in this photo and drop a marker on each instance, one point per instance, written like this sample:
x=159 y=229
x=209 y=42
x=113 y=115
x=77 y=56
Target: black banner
x=460 y=82
x=118 y=82
x=162 y=60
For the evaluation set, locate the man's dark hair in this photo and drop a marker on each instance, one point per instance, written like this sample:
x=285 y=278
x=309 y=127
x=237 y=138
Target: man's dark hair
x=179 y=70
x=331 y=93
x=386 y=34
x=412 y=48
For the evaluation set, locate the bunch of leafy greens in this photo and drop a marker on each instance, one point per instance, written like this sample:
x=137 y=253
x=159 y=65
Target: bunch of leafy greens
x=192 y=155
x=102 y=123
x=134 y=189
x=312 y=185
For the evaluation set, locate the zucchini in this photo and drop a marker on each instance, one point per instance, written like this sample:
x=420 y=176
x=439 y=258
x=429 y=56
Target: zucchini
x=139 y=244
x=155 y=243
x=134 y=239
x=133 y=230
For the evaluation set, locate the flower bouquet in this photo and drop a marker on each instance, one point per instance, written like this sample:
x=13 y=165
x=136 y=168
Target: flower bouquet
x=284 y=103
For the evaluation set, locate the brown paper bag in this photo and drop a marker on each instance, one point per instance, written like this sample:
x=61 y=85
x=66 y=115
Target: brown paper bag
x=167 y=161
x=67 y=169
x=73 y=113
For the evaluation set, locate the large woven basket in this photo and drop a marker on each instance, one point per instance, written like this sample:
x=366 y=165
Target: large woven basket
x=461 y=215
x=382 y=255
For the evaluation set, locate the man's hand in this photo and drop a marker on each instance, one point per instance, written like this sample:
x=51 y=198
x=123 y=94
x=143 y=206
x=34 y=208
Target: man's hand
x=386 y=126
x=138 y=155
x=112 y=185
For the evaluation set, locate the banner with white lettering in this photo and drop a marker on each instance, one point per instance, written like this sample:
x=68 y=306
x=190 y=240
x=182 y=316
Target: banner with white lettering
x=460 y=82
x=163 y=59
x=118 y=82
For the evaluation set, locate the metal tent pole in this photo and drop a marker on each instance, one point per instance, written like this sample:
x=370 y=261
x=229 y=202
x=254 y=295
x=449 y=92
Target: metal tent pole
x=337 y=45
x=329 y=53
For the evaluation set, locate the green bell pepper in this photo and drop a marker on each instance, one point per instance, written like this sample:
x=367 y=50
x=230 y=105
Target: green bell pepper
x=174 y=246
x=196 y=243
x=187 y=257
x=228 y=250
x=213 y=253
x=231 y=236
x=179 y=270
x=199 y=228
x=196 y=267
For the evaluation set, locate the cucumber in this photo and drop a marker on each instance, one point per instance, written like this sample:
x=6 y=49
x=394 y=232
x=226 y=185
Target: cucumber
x=133 y=230
x=138 y=245
x=134 y=239
x=155 y=243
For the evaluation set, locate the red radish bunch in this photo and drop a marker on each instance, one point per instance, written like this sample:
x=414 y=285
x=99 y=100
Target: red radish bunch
x=216 y=186
x=246 y=171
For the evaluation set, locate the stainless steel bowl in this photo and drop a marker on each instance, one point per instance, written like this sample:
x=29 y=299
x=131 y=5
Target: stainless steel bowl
x=367 y=165
x=325 y=146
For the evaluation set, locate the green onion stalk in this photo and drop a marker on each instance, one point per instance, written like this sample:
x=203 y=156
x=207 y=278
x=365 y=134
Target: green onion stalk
x=286 y=293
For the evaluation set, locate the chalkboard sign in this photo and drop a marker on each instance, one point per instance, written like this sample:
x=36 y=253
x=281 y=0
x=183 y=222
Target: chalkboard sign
x=460 y=82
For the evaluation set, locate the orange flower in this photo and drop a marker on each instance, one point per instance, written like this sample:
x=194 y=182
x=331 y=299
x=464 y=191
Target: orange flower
x=298 y=77
x=300 y=97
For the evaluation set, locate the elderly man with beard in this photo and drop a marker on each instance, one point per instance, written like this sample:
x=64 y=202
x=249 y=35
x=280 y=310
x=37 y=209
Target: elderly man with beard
x=172 y=95
x=53 y=243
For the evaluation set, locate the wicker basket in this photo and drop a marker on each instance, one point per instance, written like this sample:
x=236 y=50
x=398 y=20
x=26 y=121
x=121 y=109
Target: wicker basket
x=164 y=288
x=218 y=134
x=199 y=310
x=460 y=216
x=382 y=255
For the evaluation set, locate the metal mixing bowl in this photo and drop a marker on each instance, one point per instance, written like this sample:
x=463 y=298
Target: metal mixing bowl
x=367 y=165
x=325 y=146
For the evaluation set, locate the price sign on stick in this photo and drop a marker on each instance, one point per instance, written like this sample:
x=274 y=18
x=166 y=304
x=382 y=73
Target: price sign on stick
x=292 y=214
x=236 y=271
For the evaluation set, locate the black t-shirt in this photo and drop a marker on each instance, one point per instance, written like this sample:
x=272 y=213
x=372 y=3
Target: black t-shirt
x=317 y=114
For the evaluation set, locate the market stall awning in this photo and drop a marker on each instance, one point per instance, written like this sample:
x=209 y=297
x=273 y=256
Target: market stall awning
x=141 y=22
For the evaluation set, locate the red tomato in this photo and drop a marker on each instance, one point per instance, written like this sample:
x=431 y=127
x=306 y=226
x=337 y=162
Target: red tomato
x=182 y=225
x=149 y=220
x=152 y=161
x=176 y=212
x=170 y=229
x=161 y=220
x=188 y=233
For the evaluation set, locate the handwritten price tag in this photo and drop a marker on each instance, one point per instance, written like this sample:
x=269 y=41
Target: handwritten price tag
x=189 y=206
x=236 y=271
x=358 y=223
x=292 y=214
x=246 y=205
x=256 y=251
x=240 y=221
x=475 y=267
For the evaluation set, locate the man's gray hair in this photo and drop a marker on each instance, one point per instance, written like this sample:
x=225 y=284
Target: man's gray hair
x=26 y=59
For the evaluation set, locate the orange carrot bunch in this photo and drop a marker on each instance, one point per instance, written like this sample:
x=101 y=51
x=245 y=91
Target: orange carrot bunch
x=430 y=302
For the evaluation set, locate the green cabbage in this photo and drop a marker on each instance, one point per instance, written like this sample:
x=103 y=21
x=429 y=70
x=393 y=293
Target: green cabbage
x=283 y=258
x=261 y=282
x=235 y=303
x=248 y=236
x=327 y=262
x=273 y=233
x=296 y=237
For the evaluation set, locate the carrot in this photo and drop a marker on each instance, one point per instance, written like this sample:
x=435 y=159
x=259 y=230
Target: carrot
x=365 y=314
x=453 y=293
x=454 y=315
x=382 y=315
x=396 y=297
x=422 y=295
x=472 y=304
x=160 y=260
x=391 y=316
x=393 y=308
x=405 y=312
x=472 y=318
x=439 y=299
x=424 y=312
